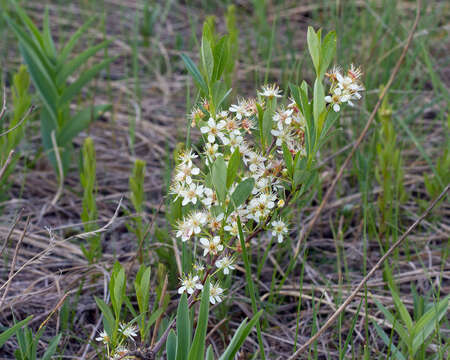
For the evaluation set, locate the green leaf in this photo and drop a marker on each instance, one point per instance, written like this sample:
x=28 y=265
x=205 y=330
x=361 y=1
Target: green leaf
x=318 y=101
x=32 y=28
x=233 y=167
x=400 y=330
x=51 y=348
x=209 y=353
x=401 y=308
x=151 y=320
x=183 y=329
x=396 y=352
x=239 y=337
x=75 y=88
x=32 y=45
x=313 y=40
x=49 y=45
x=219 y=177
x=171 y=346
x=142 y=288
x=108 y=317
x=241 y=193
x=80 y=122
x=70 y=67
x=300 y=170
x=42 y=81
x=117 y=288
x=328 y=50
x=74 y=39
x=428 y=323
x=193 y=70
x=207 y=58
x=220 y=57
x=198 y=344
x=5 y=335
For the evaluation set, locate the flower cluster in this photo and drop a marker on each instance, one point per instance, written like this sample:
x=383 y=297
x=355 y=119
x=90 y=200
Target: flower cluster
x=210 y=220
x=344 y=88
x=126 y=332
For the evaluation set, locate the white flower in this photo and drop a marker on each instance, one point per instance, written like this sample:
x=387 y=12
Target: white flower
x=197 y=219
x=127 y=330
x=212 y=246
x=103 y=337
x=213 y=129
x=233 y=229
x=337 y=98
x=279 y=229
x=187 y=156
x=225 y=264
x=191 y=225
x=232 y=125
x=233 y=140
x=215 y=222
x=189 y=284
x=240 y=109
x=260 y=207
x=270 y=91
x=119 y=353
x=185 y=230
x=184 y=172
x=254 y=161
x=211 y=150
x=283 y=117
x=215 y=293
x=210 y=198
x=282 y=135
x=191 y=194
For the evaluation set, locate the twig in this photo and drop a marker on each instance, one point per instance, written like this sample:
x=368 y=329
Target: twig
x=361 y=137
x=57 y=306
x=6 y=164
x=2 y=112
x=30 y=109
x=16 y=221
x=369 y=274
x=60 y=170
x=13 y=264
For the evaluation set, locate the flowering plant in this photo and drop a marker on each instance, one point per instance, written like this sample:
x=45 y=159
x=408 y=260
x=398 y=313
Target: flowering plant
x=257 y=157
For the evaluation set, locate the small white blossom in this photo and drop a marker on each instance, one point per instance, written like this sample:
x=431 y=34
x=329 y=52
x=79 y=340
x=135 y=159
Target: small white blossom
x=225 y=264
x=185 y=171
x=215 y=293
x=119 y=353
x=254 y=161
x=127 y=330
x=240 y=109
x=212 y=245
x=283 y=117
x=213 y=129
x=187 y=157
x=279 y=229
x=270 y=91
x=211 y=150
x=210 y=197
x=189 y=284
x=190 y=225
x=191 y=194
x=215 y=222
x=103 y=337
